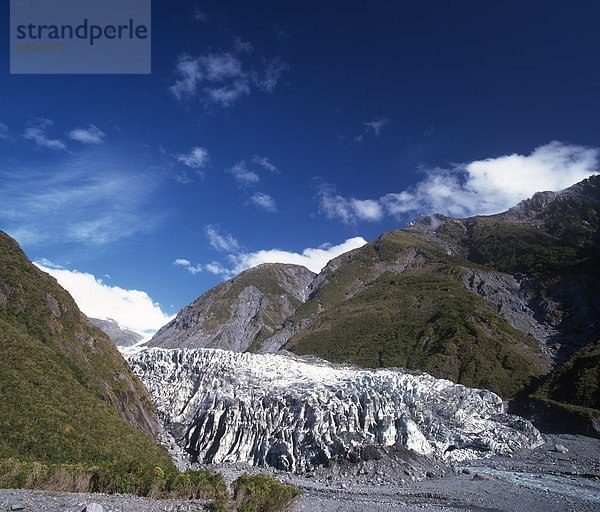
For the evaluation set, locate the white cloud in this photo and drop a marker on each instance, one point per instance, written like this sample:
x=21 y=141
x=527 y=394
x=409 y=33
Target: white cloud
x=264 y=202
x=220 y=66
x=36 y=132
x=190 y=75
x=90 y=135
x=222 y=78
x=312 y=258
x=227 y=95
x=376 y=125
x=264 y=162
x=132 y=309
x=221 y=241
x=481 y=187
x=243 y=175
x=349 y=210
x=216 y=268
x=195 y=158
x=186 y=264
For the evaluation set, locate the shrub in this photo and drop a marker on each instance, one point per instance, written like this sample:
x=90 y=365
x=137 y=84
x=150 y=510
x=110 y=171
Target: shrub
x=261 y=493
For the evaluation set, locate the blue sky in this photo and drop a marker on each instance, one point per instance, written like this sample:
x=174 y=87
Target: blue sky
x=267 y=129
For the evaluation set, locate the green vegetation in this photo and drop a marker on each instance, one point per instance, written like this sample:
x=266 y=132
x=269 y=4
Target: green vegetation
x=424 y=319
x=152 y=481
x=357 y=268
x=48 y=412
x=257 y=493
x=510 y=248
x=67 y=395
x=261 y=493
x=576 y=384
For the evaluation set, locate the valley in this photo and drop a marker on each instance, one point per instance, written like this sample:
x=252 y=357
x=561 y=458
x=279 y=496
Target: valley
x=450 y=365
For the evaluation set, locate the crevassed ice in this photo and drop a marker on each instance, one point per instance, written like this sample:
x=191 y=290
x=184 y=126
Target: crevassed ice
x=294 y=414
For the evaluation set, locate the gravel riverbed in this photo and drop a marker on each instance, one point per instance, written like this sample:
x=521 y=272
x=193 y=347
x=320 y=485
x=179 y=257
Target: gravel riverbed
x=561 y=475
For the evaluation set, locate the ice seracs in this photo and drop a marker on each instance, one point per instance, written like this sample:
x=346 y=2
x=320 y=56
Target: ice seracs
x=295 y=414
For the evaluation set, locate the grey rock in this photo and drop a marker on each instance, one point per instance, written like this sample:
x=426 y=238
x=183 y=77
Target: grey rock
x=93 y=507
x=594 y=427
x=17 y=507
x=560 y=448
x=483 y=478
x=52 y=304
x=511 y=300
x=120 y=337
x=233 y=314
x=296 y=414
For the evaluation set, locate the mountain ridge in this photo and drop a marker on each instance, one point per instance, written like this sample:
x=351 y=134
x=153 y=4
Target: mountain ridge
x=520 y=285
x=236 y=313
x=120 y=337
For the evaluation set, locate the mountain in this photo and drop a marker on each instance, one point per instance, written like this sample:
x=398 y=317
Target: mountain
x=492 y=302
x=239 y=313
x=120 y=337
x=296 y=414
x=67 y=394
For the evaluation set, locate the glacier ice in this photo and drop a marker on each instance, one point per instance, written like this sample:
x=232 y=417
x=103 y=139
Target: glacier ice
x=296 y=413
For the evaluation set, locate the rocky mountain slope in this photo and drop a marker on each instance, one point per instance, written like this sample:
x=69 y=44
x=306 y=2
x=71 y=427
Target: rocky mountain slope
x=66 y=393
x=296 y=414
x=493 y=302
x=120 y=337
x=238 y=313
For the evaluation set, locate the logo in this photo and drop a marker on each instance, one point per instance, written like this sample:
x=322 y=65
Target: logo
x=80 y=37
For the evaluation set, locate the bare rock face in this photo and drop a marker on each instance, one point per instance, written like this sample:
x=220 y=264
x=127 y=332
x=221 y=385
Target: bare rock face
x=238 y=314
x=513 y=301
x=120 y=337
x=298 y=413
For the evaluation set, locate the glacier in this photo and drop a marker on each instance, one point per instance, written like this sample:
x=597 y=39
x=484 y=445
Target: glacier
x=297 y=413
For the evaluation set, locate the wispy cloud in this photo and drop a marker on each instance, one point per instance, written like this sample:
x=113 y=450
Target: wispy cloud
x=195 y=158
x=376 y=125
x=186 y=264
x=85 y=199
x=90 y=135
x=132 y=309
x=272 y=74
x=481 y=187
x=348 y=210
x=242 y=175
x=36 y=131
x=264 y=202
x=227 y=95
x=198 y=15
x=216 y=268
x=372 y=128
x=222 y=78
x=4 y=132
x=265 y=163
x=241 y=46
x=221 y=241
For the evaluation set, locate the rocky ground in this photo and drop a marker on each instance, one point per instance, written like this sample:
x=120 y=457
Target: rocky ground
x=561 y=475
